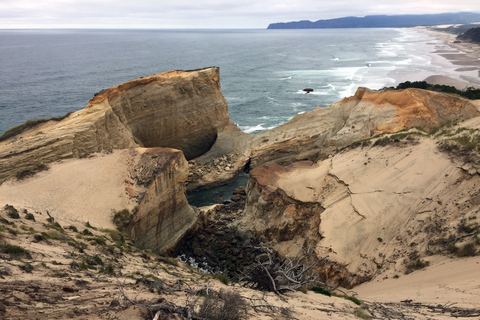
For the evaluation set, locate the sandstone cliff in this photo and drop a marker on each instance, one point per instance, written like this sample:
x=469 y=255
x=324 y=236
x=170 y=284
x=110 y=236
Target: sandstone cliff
x=378 y=208
x=186 y=110
x=177 y=109
x=163 y=215
x=323 y=131
x=318 y=133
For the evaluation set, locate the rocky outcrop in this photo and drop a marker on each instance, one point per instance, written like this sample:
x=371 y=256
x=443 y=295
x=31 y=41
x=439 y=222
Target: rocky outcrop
x=316 y=134
x=184 y=110
x=163 y=216
x=363 y=206
x=177 y=109
x=373 y=209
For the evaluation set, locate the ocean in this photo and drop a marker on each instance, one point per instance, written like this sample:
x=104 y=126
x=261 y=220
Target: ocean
x=46 y=73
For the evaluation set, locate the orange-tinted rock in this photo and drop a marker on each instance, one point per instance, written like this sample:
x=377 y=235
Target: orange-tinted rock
x=177 y=109
x=315 y=134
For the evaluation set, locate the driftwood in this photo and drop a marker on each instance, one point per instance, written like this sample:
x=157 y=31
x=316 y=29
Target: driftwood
x=272 y=273
x=407 y=308
x=50 y=218
x=260 y=305
x=183 y=311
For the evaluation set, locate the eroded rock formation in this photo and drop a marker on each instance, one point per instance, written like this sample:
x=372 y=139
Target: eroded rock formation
x=163 y=216
x=177 y=109
x=305 y=187
x=376 y=208
x=316 y=134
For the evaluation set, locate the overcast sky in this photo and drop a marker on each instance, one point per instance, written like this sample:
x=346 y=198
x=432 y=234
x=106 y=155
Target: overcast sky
x=204 y=13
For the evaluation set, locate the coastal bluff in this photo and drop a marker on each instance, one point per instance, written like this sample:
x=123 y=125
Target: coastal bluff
x=170 y=133
x=120 y=140
x=177 y=109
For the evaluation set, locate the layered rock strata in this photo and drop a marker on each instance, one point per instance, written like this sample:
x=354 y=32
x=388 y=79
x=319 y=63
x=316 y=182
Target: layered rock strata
x=164 y=215
x=373 y=209
x=316 y=134
x=184 y=110
x=177 y=109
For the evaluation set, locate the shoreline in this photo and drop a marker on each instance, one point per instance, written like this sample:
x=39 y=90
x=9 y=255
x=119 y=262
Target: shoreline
x=460 y=60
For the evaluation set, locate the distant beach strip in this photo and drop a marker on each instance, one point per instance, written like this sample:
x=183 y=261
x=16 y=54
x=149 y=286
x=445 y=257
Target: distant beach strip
x=461 y=60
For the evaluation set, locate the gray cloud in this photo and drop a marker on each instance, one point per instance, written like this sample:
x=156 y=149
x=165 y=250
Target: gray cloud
x=204 y=13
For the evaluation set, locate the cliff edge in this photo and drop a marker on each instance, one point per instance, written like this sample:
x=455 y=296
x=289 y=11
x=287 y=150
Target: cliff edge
x=176 y=109
x=108 y=156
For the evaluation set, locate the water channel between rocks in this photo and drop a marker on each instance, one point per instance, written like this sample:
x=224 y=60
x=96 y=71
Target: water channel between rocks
x=218 y=194
x=216 y=247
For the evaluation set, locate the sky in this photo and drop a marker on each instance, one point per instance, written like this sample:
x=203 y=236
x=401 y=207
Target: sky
x=257 y=14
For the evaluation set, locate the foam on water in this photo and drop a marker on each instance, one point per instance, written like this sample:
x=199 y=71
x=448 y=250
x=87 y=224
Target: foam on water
x=255 y=129
x=263 y=73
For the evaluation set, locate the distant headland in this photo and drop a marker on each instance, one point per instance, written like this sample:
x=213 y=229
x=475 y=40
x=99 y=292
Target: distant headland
x=383 y=21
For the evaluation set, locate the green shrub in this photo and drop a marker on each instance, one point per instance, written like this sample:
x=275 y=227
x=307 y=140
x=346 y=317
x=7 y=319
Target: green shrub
x=467 y=250
x=469 y=93
x=321 y=291
x=98 y=240
x=12 y=212
x=14 y=251
x=330 y=294
x=55 y=226
x=73 y=228
x=353 y=299
x=87 y=232
x=223 y=278
x=122 y=218
x=78 y=245
x=57 y=235
x=416 y=265
x=30 y=216
x=109 y=269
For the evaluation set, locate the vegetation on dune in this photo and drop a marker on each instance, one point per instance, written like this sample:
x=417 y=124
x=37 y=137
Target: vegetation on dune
x=14 y=250
x=463 y=143
x=28 y=125
x=469 y=93
x=12 y=212
x=471 y=35
x=122 y=218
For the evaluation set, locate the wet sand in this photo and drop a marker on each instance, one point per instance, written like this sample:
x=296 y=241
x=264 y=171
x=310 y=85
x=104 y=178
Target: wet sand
x=462 y=60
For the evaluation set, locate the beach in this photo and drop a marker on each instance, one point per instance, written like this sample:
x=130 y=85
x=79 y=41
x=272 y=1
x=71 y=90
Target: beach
x=460 y=60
